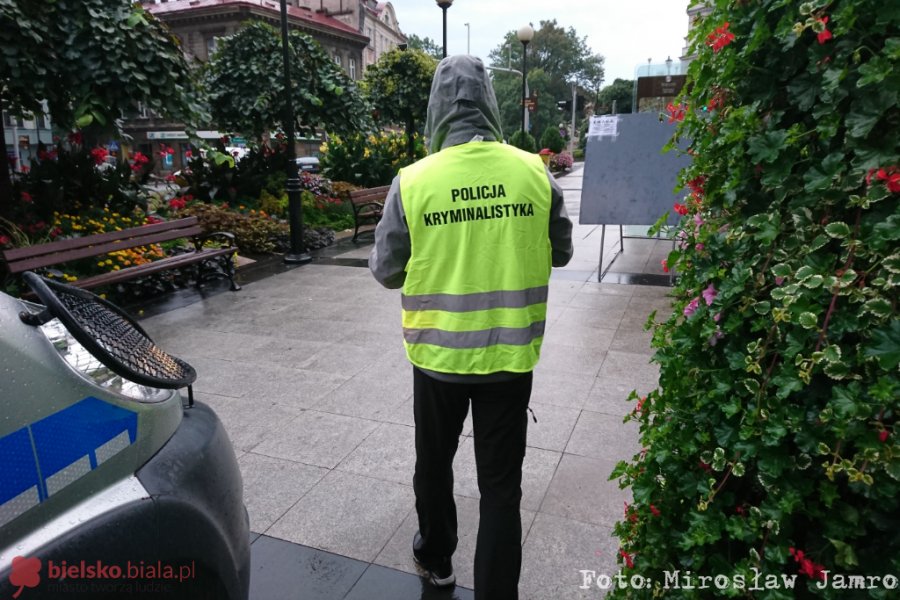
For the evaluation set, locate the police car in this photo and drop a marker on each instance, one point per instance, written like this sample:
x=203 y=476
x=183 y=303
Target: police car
x=113 y=484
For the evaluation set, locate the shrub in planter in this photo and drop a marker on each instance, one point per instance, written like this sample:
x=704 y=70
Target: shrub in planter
x=553 y=140
x=525 y=141
x=772 y=445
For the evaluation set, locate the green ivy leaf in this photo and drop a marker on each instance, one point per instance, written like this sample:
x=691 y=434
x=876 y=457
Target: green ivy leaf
x=837 y=229
x=879 y=307
x=808 y=320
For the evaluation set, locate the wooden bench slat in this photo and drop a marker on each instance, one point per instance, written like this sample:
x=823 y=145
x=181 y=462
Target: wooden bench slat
x=99 y=238
x=156 y=266
x=367 y=206
x=45 y=260
x=19 y=260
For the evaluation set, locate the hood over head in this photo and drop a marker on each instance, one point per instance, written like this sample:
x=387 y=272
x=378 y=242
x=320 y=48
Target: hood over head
x=462 y=104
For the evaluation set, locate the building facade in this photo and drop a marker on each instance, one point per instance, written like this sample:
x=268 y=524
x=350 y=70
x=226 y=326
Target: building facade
x=23 y=135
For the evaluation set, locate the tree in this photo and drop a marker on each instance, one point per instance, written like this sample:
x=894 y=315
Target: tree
x=398 y=86
x=245 y=85
x=552 y=140
x=621 y=91
x=426 y=45
x=91 y=61
x=557 y=57
x=772 y=446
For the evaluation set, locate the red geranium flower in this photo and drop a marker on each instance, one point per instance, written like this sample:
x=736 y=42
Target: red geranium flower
x=681 y=209
x=26 y=197
x=720 y=38
x=99 y=155
x=177 y=203
x=665 y=265
x=676 y=113
x=883 y=435
x=629 y=562
x=823 y=35
x=76 y=138
x=4 y=240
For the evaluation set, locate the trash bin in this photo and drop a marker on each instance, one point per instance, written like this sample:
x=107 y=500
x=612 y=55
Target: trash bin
x=109 y=478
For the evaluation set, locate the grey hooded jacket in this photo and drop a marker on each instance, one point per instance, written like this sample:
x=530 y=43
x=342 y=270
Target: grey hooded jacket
x=462 y=109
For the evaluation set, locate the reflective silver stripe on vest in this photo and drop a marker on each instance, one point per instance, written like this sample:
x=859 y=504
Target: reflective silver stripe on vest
x=482 y=338
x=479 y=301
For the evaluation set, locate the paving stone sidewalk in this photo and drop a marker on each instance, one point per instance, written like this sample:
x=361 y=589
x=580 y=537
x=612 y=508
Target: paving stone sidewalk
x=307 y=371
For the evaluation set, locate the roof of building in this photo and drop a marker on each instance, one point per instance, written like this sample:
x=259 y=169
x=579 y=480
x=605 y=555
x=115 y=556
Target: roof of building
x=317 y=19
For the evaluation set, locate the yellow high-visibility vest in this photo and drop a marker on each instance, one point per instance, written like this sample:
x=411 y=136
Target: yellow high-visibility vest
x=475 y=296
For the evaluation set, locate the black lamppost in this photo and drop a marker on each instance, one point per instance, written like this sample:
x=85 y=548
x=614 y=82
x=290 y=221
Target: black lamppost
x=444 y=4
x=297 y=254
x=525 y=34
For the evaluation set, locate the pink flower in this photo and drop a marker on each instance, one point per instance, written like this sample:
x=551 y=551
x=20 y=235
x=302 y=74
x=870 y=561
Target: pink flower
x=692 y=306
x=715 y=337
x=717 y=317
x=699 y=247
x=4 y=240
x=779 y=280
x=709 y=294
x=883 y=435
x=698 y=220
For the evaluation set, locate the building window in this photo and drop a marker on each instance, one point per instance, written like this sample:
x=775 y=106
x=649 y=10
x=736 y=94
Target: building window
x=211 y=44
x=371 y=35
x=337 y=60
x=40 y=121
x=352 y=68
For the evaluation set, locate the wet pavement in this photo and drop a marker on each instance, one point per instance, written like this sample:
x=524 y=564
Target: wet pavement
x=305 y=367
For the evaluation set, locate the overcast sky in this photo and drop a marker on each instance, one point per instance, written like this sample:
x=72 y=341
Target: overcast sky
x=626 y=32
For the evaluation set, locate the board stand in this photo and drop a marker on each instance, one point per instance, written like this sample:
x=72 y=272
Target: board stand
x=601 y=273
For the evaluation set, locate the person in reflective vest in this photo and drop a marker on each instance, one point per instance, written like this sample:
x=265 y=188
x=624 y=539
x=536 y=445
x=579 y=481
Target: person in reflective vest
x=470 y=233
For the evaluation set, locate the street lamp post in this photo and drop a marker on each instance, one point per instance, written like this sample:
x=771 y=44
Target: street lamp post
x=468 y=38
x=444 y=4
x=525 y=35
x=668 y=69
x=297 y=253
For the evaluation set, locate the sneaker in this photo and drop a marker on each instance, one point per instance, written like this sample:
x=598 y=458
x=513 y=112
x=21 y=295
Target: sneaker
x=438 y=573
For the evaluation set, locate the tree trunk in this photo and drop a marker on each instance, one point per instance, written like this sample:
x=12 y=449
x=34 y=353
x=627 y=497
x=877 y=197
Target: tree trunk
x=6 y=191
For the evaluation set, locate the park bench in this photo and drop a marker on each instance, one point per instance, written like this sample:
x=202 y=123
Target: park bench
x=213 y=262
x=368 y=205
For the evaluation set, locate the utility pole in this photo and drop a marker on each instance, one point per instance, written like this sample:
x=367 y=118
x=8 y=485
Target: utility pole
x=574 y=111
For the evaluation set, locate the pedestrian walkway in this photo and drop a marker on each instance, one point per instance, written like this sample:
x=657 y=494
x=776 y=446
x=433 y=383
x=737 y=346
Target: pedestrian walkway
x=306 y=369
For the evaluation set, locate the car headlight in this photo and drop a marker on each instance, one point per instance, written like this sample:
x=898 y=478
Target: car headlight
x=92 y=370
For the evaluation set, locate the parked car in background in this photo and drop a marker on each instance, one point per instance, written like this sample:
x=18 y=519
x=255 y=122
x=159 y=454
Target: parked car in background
x=112 y=484
x=310 y=164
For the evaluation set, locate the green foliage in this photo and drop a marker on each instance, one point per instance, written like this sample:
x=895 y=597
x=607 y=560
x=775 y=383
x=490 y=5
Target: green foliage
x=324 y=211
x=620 y=91
x=524 y=141
x=367 y=161
x=772 y=442
x=578 y=154
x=556 y=57
x=426 y=45
x=398 y=86
x=91 y=60
x=552 y=140
x=254 y=232
x=245 y=85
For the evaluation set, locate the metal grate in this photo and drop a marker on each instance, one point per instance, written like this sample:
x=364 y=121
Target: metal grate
x=111 y=335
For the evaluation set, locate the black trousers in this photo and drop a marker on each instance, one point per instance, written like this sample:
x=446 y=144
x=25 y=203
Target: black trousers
x=499 y=423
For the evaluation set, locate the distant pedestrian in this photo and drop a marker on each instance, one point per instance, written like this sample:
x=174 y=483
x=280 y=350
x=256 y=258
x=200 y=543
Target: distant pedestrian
x=470 y=233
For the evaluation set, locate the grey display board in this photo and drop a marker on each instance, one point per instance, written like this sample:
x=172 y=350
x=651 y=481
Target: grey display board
x=628 y=180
